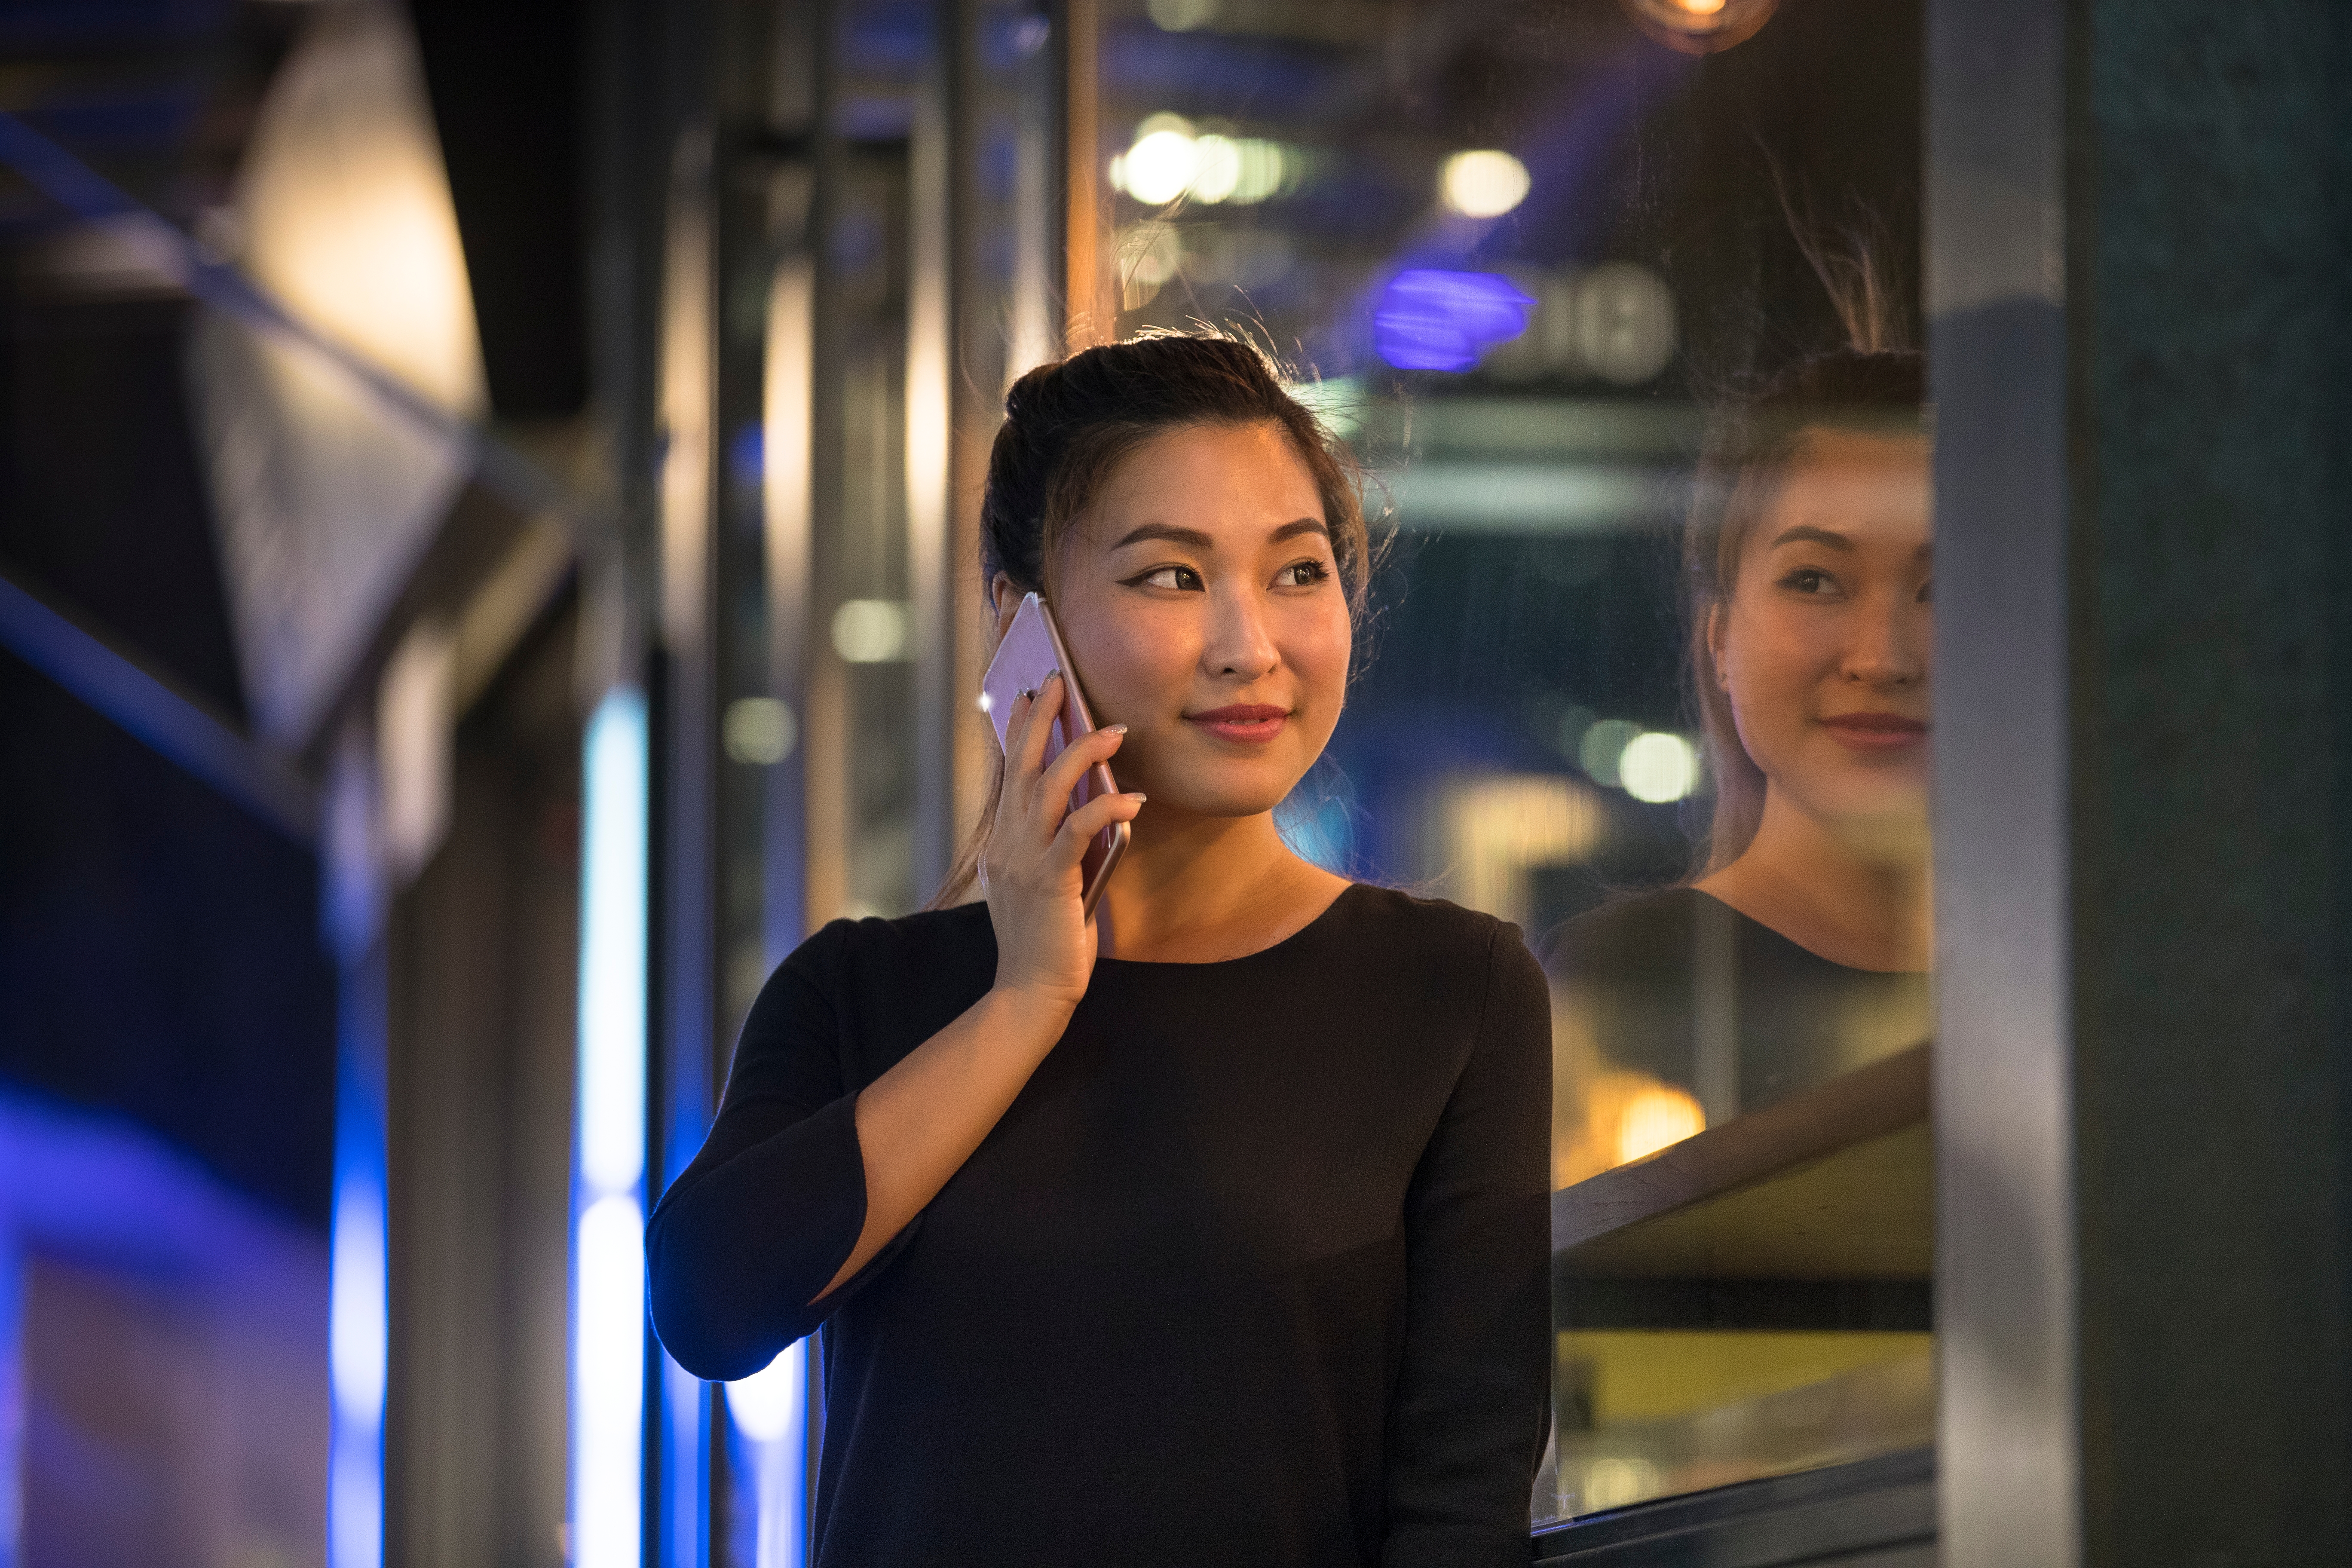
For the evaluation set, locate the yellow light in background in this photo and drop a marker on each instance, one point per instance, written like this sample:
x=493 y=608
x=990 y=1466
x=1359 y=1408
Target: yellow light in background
x=1484 y=183
x=1182 y=16
x=759 y=730
x=346 y=213
x=1168 y=160
x=1657 y=767
x=870 y=631
x=1657 y=1118
x=1616 y=1482
x=1498 y=828
x=1159 y=166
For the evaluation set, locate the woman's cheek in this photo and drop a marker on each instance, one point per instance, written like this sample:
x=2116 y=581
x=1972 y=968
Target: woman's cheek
x=1322 y=658
x=1769 y=696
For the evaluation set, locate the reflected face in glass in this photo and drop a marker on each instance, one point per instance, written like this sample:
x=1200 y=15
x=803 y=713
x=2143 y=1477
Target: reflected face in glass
x=1824 y=647
x=1198 y=599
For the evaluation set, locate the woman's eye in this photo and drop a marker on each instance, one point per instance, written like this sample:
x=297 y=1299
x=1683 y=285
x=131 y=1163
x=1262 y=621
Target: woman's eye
x=1182 y=579
x=1301 y=574
x=1808 y=580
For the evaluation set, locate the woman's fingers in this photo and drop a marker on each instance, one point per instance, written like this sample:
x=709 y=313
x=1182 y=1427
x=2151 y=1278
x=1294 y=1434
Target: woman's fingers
x=1027 y=754
x=1062 y=777
x=1079 y=828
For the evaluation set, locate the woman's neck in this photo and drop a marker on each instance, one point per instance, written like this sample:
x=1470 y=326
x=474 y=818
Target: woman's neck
x=1858 y=896
x=1198 y=889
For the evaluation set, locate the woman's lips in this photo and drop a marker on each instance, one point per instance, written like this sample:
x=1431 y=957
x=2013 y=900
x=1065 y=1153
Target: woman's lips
x=1876 y=732
x=1245 y=721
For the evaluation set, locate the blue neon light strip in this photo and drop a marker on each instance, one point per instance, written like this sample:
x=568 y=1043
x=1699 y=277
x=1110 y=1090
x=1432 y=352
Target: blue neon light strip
x=608 y=1319
x=769 y=1413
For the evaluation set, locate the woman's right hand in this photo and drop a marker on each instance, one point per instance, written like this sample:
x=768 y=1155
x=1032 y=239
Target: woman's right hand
x=1031 y=870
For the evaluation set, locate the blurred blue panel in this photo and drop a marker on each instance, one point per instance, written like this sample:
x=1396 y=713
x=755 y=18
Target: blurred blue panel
x=161 y=117
x=886 y=39
x=1429 y=320
x=1271 y=83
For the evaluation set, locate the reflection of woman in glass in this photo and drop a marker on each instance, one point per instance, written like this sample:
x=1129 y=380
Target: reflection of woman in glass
x=1210 y=1231
x=1799 y=948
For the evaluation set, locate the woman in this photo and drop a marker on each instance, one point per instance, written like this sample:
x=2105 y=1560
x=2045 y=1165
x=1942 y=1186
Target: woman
x=1213 y=1230
x=1800 y=948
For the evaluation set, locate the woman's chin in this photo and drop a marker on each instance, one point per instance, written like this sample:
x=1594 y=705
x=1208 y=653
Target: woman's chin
x=1218 y=795
x=1886 y=831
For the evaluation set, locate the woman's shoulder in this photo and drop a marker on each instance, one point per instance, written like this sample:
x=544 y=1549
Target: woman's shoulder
x=1630 y=933
x=1418 y=940
x=1392 y=914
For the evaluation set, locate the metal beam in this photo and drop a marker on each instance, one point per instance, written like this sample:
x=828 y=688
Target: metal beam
x=82 y=191
x=2006 y=1247
x=155 y=709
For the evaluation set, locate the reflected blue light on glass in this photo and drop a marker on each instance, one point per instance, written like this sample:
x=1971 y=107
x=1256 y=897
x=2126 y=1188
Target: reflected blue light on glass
x=12 y=1387
x=612 y=948
x=769 y=1411
x=354 y=1503
x=1432 y=320
x=356 y=1345
x=356 y=1327
x=608 y=1322
x=685 y=1467
x=608 y=1376
x=358 y=1301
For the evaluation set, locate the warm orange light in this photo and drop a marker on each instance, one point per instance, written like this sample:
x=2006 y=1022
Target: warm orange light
x=1700 y=27
x=1654 y=1118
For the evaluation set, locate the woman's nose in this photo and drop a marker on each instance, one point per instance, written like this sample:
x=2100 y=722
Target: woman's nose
x=1888 y=645
x=1240 y=644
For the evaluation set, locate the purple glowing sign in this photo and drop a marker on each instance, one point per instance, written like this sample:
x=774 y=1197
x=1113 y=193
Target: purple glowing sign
x=1429 y=320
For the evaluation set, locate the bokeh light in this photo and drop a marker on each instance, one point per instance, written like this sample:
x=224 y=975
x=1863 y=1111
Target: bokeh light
x=764 y=1405
x=1658 y=767
x=1657 y=1118
x=1484 y=183
x=1431 y=320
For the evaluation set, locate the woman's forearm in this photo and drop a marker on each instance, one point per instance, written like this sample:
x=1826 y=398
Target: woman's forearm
x=918 y=1122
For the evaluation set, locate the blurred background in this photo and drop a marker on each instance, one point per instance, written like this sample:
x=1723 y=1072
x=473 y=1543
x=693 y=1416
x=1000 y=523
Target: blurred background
x=488 y=501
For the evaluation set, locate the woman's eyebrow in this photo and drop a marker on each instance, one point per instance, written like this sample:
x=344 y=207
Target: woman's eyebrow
x=1192 y=537
x=1304 y=525
x=1805 y=533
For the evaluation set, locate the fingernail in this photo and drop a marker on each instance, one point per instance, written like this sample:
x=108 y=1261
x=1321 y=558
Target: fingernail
x=1137 y=796
x=1114 y=729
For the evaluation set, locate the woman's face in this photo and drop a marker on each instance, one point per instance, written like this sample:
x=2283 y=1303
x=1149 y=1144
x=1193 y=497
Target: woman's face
x=1823 y=645
x=1200 y=600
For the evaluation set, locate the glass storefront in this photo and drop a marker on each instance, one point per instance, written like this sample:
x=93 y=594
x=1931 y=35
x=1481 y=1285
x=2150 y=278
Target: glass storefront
x=1550 y=266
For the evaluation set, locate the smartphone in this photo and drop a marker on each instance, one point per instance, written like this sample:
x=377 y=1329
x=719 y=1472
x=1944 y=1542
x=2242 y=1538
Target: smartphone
x=1031 y=650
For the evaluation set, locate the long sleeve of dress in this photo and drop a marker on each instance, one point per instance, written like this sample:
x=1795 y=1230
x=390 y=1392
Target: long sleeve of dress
x=1470 y=1406
x=759 y=1223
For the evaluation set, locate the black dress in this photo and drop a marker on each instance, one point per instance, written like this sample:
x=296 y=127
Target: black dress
x=1669 y=981
x=1253 y=1270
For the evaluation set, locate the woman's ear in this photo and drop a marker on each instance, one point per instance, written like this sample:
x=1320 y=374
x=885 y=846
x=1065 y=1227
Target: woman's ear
x=1716 y=617
x=1004 y=598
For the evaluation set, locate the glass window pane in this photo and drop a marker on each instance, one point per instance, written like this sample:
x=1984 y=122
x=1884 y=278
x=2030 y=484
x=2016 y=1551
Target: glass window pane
x=1617 y=300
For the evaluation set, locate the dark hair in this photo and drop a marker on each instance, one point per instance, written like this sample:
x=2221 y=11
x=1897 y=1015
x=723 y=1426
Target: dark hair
x=1751 y=444
x=1067 y=426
